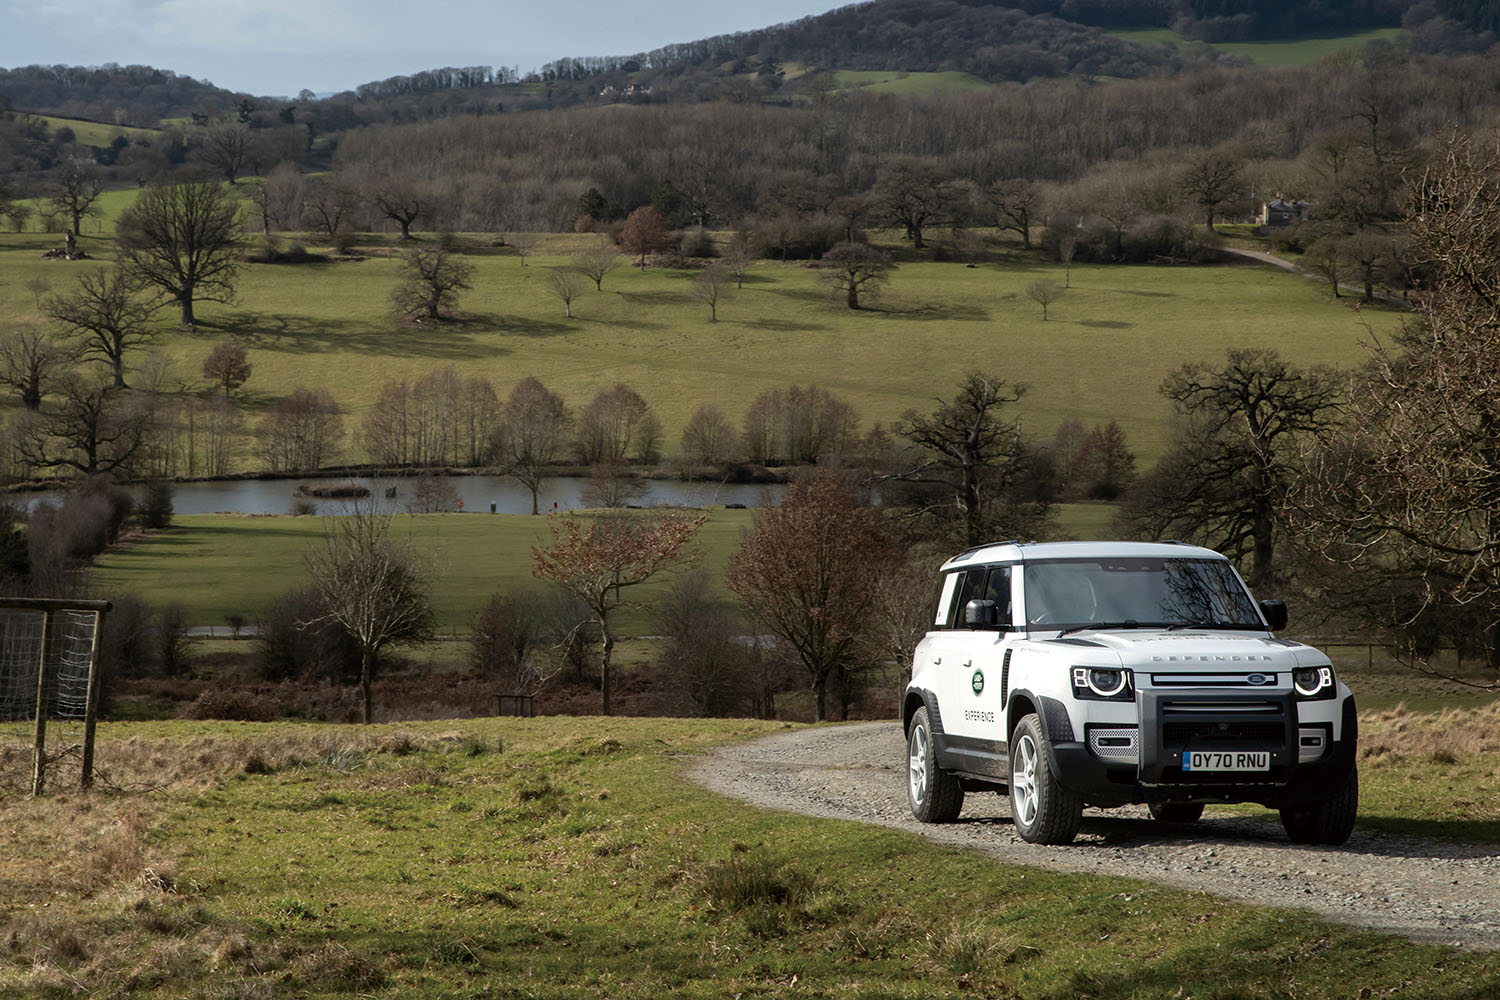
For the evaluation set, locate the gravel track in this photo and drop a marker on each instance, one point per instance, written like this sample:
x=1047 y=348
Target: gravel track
x=1423 y=889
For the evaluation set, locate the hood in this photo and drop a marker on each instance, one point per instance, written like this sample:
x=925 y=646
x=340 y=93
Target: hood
x=1199 y=652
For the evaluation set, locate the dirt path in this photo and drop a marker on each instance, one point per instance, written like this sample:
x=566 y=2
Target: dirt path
x=1423 y=889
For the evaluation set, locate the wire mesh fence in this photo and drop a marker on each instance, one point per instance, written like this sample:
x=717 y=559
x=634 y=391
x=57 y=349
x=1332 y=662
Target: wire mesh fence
x=49 y=653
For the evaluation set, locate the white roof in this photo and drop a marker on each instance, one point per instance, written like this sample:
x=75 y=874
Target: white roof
x=1029 y=551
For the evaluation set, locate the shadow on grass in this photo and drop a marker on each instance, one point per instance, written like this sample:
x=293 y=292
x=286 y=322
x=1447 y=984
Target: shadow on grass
x=301 y=335
x=785 y=326
x=1104 y=324
x=939 y=311
x=656 y=298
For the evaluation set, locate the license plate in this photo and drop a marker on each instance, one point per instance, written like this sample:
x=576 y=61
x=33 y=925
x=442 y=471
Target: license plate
x=1226 y=760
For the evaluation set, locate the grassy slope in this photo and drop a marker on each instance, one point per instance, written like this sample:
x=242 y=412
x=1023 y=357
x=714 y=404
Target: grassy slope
x=563 y=858
x=93 y=133
x=1287 y=52
x=1110 y=340
x=215 y=565
x=908 y=84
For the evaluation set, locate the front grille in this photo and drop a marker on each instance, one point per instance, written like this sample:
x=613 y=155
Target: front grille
x=1269 y=734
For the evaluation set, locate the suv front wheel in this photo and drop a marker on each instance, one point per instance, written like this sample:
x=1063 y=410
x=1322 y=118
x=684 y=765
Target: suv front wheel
x=1044 y=811
x=935 y=796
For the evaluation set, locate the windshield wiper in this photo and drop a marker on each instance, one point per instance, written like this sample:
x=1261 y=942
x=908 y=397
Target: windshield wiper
x=1176 y=626
x=1127 y=623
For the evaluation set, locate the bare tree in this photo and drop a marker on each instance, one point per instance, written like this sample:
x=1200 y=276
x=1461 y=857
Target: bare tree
x=227 y=366
x=31 y=361
x=565 y=284
x=595 y=264
x=916 y=193
x=1015 y=201
x=855 y=269
x=807 y=572
x=301 y=431
x=513 y=641
x=1324 y=258
x=710 y=286
x=524 y=244
x=183 y=239
x=108 y=315
x=75 y=186
x=371 y=586
x=279 y=198
x=709 y=437
x=431 y=278
x=1211 y=179
x=1225 y=481
x=331 y=203
x=610 y=424
x=402 y=200
x=225 y=147
x=1044 y=292
x=741 y=255
x=95 y=428
x=533 y=434
x=612 y=554
x=971 y=454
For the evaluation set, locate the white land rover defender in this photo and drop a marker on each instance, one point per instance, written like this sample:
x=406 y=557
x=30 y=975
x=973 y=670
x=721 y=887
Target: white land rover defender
x=1106 y=673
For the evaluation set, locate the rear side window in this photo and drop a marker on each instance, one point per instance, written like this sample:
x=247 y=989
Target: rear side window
x=979 y=583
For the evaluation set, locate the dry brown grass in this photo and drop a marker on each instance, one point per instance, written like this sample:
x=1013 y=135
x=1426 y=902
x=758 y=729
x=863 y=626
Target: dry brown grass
x=1444 y=738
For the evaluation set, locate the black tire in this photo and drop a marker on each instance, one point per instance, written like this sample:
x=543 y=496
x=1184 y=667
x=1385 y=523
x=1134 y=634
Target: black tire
x=935 y=796
x=1327 y=821
x=1176 y=812
x=1044 y=811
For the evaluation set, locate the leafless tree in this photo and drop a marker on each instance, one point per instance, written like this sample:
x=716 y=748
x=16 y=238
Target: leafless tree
x=741 y=254
x=74 y=187
x=109 y=315
x=279 y=199
x=709 y=437
x=332 y=203
x=183 y=239
x=645 y=232
x=402 y=200
x=95 y=428
x=225 y=147
x=524 y=244
x=565 y=284
x=301 y=431
x=433 y=493
x=1044 y=292
x=227 y=366
x=599 y=562
x=855 y=269
x=595 y=264
x=710 y=286
x=431 y=278
x=514 y=641
x=533 y=434
x=1015 y=201
x=610 y=424
x=916 y=193
x=31 y=361
x=807 y=572
x=370 y=585
x=1213 y=178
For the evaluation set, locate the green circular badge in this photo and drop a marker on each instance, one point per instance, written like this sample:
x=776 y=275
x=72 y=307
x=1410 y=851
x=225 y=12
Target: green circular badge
x=978 y=681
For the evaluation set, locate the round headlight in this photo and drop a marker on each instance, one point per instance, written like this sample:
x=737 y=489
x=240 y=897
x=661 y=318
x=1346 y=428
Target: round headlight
x=1106 y=683
x=1310 y=680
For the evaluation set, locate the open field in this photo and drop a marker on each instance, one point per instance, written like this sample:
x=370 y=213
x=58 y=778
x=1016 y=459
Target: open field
x=907 y=84
x=1109 y=342
x=215 y=565
x=1288 y=52
x=93 y=133
x=567 y=858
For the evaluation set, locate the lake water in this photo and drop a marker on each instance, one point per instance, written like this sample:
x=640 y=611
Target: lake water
x=275 y=496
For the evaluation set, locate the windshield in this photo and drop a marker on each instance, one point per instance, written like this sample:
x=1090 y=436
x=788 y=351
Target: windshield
x=1162 y=592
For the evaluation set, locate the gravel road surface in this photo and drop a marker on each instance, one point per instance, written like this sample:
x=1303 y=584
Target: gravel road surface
x=1424 y=889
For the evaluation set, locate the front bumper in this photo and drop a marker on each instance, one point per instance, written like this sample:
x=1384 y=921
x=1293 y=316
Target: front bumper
x=1166 y=730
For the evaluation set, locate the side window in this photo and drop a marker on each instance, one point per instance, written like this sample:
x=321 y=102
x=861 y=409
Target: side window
x=971 y=589
x=997 y=589
x=944 y=617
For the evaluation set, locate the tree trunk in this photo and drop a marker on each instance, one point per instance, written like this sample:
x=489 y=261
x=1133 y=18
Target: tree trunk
x=364 y=685
x=185 y=300
x=607 y=648
x=853 y=295
x=820 y=695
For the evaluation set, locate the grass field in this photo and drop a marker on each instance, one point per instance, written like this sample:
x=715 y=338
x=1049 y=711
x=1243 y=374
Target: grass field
x=1106 y=347
x=1288 y=52
x=568 y=858
x=907 y=84
x=215 y=565
x=93 y=133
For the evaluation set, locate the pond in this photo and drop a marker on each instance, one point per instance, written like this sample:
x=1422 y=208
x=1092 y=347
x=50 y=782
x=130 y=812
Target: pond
x=477 y=493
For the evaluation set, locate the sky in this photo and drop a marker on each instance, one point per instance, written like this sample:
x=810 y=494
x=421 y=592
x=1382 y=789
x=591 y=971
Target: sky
x=279 y=47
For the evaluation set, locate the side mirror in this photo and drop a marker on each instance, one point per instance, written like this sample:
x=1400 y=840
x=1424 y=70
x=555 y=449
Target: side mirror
x=981 y=614
x=1274 y=613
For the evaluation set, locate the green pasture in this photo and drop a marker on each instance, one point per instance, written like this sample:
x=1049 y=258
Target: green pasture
x=93 y=133
x=216 y=565
x=1101 y=355
x=908 y=84
x=1283 y=52
x=571 y=858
